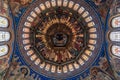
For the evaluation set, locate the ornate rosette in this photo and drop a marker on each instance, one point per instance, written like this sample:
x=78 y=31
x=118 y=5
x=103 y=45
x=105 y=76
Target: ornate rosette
x=60 y=37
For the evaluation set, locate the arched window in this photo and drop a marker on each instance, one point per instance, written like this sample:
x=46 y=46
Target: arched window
x=4 y=36
x=3 y=22
x=3 y=50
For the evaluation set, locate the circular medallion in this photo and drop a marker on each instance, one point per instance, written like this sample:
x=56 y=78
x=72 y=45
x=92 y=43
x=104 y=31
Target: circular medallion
x=60 y=37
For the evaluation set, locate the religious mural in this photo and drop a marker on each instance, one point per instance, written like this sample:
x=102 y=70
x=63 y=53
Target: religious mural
x=59 y=40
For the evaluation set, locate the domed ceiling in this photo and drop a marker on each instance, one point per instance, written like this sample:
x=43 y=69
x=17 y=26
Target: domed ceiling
x=59 y=40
